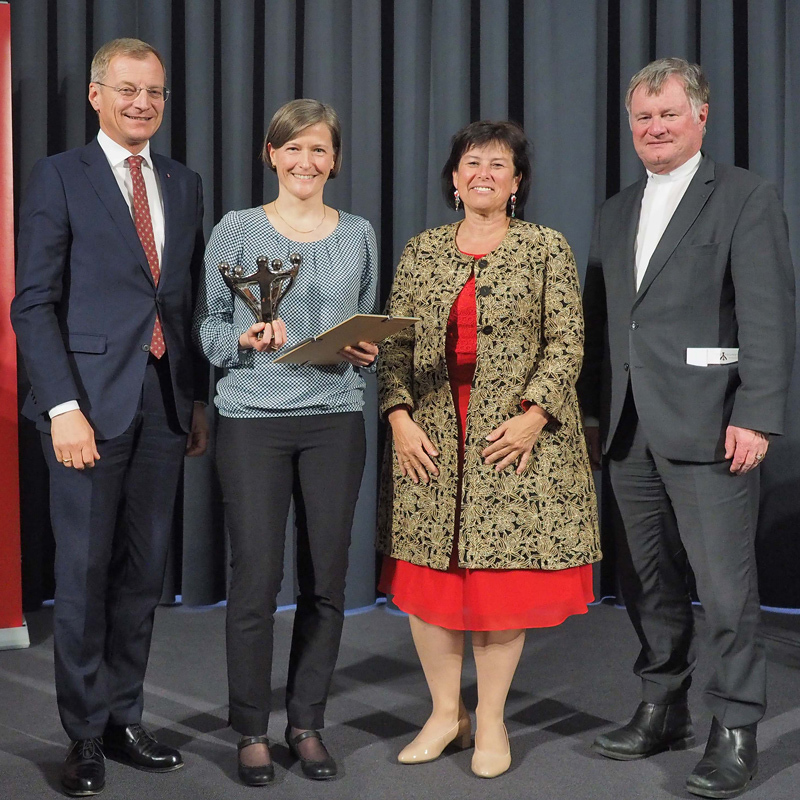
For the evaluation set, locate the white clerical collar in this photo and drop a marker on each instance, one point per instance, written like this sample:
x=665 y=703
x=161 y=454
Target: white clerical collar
x=116 y=153
x=681 y=172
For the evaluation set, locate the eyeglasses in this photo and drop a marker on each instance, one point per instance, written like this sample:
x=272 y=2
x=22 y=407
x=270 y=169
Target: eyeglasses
x=155 y=93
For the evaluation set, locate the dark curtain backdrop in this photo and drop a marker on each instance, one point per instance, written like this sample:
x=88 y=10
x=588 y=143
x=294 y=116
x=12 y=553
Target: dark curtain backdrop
x=404 y=75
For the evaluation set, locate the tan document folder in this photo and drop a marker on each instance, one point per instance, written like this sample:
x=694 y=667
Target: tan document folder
x=323 y=349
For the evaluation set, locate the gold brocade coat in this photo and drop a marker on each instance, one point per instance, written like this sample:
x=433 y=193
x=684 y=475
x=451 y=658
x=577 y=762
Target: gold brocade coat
x=530 y=346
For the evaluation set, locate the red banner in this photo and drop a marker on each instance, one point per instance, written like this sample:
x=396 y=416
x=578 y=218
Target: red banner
x=12 y=626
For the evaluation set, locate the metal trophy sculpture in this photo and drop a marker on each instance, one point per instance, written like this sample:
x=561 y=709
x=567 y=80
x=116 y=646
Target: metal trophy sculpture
x=272 y=280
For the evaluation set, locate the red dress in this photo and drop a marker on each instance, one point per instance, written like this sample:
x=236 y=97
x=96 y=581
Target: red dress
x=481 y=599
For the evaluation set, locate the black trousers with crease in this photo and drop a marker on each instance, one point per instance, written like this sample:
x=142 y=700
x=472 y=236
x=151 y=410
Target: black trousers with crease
x=263 y=463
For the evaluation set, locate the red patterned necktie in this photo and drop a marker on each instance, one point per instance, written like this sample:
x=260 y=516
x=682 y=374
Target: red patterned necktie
x=144 y=227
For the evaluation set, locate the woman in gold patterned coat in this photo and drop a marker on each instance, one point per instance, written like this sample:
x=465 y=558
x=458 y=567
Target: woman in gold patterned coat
x=488 y=517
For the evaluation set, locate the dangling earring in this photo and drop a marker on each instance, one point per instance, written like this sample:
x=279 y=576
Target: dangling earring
x=513 y=204
x=457 y=198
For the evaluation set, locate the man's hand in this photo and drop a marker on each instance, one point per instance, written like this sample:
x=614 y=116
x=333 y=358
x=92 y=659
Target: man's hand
x=73 y=440
x=360 y=355
x=263 y=336
x=415 y=451
x=198 y=437
x=592 y=436
x=746 y=447
x=514 y=439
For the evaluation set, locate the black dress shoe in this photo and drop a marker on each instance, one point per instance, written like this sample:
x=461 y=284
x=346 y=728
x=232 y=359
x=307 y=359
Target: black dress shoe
x=136 y=746
x=653 y=729
x=84 y=770
x=260 y=774
x=316 y=770
x=729 y=763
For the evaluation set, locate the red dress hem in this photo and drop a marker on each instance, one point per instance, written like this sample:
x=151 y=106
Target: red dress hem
x=495 y=600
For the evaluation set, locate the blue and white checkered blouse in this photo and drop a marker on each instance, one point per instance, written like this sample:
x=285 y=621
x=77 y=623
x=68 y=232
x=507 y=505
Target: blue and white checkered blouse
x=337 y=279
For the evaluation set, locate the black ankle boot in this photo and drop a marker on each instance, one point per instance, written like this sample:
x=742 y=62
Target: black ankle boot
x=653 y=729
x=729 y=763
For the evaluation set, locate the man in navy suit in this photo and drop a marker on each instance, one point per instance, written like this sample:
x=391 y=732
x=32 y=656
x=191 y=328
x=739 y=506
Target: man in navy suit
x=109 y=254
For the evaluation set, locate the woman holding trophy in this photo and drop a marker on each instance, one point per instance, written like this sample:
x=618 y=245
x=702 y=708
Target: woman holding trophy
x=288 y=431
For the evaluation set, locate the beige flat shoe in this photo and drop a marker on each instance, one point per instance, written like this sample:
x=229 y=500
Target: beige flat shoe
x=490 y=765
x=423 y=750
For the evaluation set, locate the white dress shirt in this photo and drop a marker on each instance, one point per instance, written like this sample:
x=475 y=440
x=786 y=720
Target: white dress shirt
x=116 y=155
x=662 y=194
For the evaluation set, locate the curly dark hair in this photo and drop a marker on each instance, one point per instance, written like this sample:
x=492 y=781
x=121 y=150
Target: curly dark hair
x=479 y=134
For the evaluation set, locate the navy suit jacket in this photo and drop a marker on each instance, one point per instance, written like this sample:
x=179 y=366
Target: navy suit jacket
x=86 y=301
x=721 y=276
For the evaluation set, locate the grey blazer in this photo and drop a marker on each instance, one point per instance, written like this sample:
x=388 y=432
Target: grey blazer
x=721 y=277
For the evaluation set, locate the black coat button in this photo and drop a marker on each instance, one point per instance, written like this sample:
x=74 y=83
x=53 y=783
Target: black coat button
x=626 y=366
x=483 y=263
x=634 y=325
x=146 y=348
x=487 y=329
x=485 y=291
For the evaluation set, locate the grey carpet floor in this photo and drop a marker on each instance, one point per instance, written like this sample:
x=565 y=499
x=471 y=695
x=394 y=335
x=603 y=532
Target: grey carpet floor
x=574 y=681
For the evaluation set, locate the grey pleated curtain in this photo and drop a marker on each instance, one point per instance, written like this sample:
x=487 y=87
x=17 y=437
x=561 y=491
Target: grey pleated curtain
x=404 y=75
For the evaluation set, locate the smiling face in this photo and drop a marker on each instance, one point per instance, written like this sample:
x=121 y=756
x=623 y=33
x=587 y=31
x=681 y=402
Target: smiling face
x=130 y=123
x=665 y=132
x=304 y=163
x=485 y=178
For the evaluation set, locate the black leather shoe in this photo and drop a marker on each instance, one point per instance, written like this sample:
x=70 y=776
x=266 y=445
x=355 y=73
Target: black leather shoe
x=136 y=746
x=729 y=763
x=260 y=774
x=84 y=770
x=316 y=770
x=653 y=729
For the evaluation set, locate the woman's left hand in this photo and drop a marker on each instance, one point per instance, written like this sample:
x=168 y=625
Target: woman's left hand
x=361 y=354
x=514 y=439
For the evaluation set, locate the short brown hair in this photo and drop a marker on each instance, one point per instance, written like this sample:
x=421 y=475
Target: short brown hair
x=656 y=73
x=479 y=134
x=133 y=48
x=296 y=116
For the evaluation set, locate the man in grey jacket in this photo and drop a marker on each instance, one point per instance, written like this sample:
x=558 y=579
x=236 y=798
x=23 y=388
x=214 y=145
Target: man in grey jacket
x=689 y=304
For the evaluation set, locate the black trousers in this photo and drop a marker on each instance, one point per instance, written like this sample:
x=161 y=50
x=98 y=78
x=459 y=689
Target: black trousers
x=678 y=514
x=262 y=464
x=112 y=528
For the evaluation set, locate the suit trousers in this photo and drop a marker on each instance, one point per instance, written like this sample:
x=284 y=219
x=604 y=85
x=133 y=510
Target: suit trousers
x=678 y=514
x=263 y=463
x=112 y=526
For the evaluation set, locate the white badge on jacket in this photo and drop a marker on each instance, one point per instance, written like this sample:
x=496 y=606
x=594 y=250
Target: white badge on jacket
x=707 y=356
